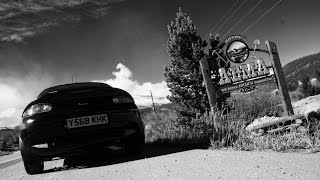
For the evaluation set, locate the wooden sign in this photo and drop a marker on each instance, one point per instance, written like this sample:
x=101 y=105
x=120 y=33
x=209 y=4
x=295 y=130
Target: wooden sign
x=240 y=75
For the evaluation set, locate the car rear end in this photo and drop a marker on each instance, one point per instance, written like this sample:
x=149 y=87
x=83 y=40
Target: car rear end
x=65 y=121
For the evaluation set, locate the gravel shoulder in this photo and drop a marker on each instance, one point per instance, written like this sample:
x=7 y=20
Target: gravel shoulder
x=190 y=164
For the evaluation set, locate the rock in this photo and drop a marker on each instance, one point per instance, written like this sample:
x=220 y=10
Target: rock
x=265 y=122
x=306 y=105
x=298 y=121
x=261 y=131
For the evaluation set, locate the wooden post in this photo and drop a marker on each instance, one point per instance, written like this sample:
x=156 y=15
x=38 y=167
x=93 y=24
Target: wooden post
x=211 y=91
x=282 y=85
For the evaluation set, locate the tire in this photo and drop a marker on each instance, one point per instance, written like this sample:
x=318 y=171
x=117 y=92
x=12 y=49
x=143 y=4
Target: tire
x=71 y=161
x=135 y=145
x=33 y=166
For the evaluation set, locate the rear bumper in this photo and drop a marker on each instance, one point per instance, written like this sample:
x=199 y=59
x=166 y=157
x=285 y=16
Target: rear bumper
x=50 y=140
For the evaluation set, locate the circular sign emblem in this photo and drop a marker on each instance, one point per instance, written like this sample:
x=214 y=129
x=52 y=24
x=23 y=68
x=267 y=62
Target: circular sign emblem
x=237 y=51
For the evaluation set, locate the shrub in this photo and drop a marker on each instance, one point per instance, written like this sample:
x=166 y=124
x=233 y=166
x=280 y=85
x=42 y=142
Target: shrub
x=296 y=95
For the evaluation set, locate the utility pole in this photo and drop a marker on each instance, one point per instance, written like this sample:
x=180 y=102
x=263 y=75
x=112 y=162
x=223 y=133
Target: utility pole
x=154 y=108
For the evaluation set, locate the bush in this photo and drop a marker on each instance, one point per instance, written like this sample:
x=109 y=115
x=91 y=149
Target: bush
x=296 y=95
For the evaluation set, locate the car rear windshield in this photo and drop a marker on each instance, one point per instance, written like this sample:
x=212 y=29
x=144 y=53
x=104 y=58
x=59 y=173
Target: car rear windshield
x=76 y=88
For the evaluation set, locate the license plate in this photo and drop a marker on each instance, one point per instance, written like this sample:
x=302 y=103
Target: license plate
x=87 y=121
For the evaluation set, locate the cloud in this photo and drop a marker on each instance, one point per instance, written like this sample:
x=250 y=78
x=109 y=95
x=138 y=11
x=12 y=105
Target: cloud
x=22 y=19
x=140 y=92
x=11 y=101
x=8 y=113
x=20 y=86
x=9 y=97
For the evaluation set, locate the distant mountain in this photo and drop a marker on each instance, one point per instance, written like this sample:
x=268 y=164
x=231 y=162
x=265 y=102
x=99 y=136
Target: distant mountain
x=297 y=69
x=163 y=107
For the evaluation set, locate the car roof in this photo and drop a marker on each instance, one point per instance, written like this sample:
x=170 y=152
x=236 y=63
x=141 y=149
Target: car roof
x=79 y=85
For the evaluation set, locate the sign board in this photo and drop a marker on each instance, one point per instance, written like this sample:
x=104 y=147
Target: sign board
x=241 y=74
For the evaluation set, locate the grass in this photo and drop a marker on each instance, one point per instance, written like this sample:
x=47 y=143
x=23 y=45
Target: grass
x=285 y=142
x=162 y=129
x=216 y=130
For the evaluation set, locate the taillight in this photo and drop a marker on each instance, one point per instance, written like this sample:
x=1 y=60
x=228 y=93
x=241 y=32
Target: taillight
x=36 y=109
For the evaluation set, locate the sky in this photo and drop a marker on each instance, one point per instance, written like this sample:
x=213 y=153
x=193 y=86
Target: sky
x=123 y=42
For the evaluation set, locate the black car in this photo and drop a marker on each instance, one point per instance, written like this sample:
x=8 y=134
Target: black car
x=73 y=118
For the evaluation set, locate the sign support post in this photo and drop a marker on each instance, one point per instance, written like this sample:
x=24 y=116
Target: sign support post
x=281 y=82
x=211 y=91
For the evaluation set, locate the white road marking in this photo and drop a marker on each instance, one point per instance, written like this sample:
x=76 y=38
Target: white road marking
x=2 y=162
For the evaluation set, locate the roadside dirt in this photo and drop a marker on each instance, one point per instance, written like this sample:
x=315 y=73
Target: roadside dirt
x=188 y=164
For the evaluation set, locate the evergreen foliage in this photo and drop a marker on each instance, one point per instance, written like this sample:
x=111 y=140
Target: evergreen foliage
x=306 y=87
x=184 y=78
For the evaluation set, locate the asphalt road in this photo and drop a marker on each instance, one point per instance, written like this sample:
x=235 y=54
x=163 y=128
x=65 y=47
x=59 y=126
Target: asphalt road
x=170 y=163
x=9 y=160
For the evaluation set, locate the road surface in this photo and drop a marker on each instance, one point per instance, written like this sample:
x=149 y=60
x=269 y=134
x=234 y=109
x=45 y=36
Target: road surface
x=187 y=164
x=8 y=160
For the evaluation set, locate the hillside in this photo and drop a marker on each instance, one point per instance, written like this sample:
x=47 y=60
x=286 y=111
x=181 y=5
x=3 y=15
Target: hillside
x=163 y=107
x=297 y=69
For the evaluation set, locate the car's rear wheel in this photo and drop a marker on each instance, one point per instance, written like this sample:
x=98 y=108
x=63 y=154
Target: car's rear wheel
x=135 y=144
x=34 y=166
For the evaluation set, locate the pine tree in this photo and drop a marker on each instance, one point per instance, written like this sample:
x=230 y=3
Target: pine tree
x=306 y=87
x=184 y=78
x=317 y=86
x=317 y=74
